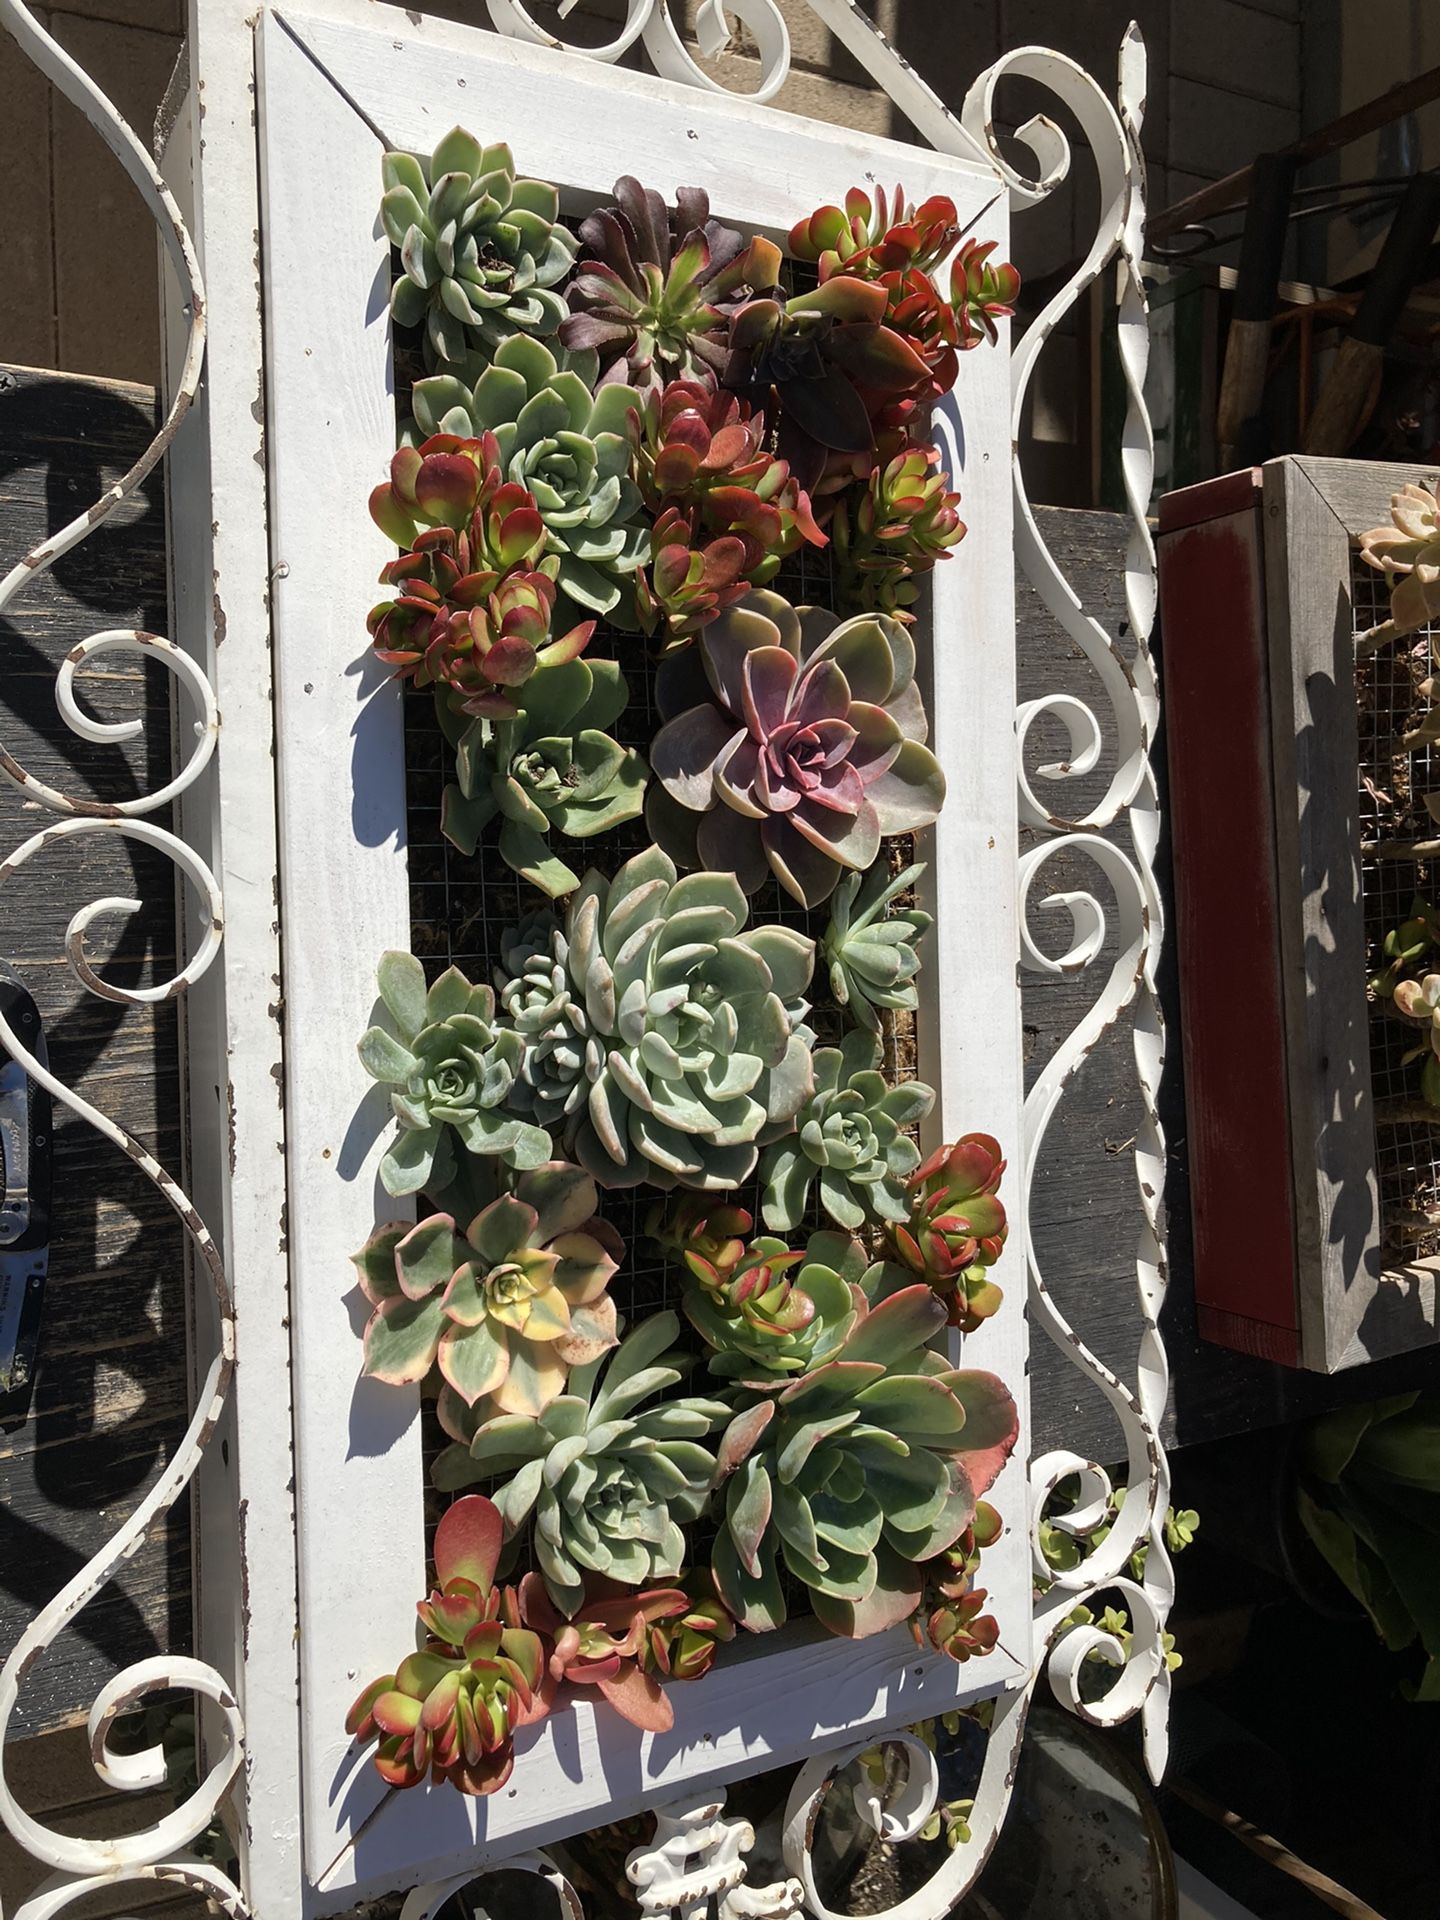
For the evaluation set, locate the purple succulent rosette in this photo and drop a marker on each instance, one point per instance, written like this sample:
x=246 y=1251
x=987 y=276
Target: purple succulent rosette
x=793 y=743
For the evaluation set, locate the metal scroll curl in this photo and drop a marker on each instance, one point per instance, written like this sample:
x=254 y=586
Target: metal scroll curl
x=652 y=23
x=159 y=1852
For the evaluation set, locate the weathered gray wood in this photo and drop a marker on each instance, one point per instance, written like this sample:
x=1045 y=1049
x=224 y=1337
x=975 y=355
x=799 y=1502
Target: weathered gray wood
x=1351 y=1307
x=111 y=1381
x=1084 y=1220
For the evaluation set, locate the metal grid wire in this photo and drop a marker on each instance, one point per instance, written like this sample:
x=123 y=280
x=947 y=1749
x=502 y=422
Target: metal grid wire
x=461 y=907
x=1394 y=780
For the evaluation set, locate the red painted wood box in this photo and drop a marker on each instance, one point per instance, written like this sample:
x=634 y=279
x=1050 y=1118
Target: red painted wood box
x=1300 y=1257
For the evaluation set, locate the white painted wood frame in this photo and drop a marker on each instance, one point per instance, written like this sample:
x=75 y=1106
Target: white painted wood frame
x=331 y=90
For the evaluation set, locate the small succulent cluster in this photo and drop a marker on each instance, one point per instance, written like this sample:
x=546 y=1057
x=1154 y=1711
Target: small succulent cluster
x=1407 y=980
x=1407 y=553
x=639 y=425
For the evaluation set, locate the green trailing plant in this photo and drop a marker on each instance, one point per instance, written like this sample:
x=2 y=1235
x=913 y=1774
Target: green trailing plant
x=1065 y=1548
x=857 y=1473
x=689 y=1027
x=792 y=744
x=888 y=536
x=473 y=606
x=571 y=449
x=482 y=253
x=1369 y=1498
x=872 y=952
x=450 y=1069
x=850 y=1139
x=450 y=1711
x=548 y=768
x=501 y=1312
x=956 y=1227
x=610 y=1480
x=653 y=295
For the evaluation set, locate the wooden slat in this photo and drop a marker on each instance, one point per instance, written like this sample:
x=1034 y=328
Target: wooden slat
x=110 y=1393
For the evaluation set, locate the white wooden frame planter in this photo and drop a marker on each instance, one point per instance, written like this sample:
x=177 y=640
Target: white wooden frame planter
x=307 y=95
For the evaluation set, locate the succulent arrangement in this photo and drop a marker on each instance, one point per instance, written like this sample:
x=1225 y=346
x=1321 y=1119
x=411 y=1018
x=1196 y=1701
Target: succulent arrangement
x=617 y=442
x=1407 y=553
x=1408 y=982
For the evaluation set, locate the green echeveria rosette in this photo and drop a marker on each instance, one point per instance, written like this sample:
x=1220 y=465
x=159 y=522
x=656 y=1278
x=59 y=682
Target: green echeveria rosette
x=694 y=1048
x=873 y=962
x=858 y=1472
x=498 y=1313
x=851 y=1138
x=481 y=252
x=450 y=1069
x=537 y=1000
x=611 y=1481
x=571 y=449
x=551 y=769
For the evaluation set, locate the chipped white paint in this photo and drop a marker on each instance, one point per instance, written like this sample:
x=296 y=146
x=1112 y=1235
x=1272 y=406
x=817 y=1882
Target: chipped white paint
x=694 y=1867
x=83 y=1866
x=342 y=77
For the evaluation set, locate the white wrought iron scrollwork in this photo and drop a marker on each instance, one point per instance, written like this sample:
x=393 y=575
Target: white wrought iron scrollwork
x=158 y=1853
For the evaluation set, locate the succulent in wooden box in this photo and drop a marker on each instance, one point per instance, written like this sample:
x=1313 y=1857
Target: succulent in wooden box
x=481 y=252
x=1418 y=1001
x=652 y=296
x=694 y=1045
x=851 y=1137
x=450 y=1068
x=980 y=294
x=858 y=1472
x=450 y=1711
x=548 y=767
x=792 y=743
x=609 y=1479
x=1407 y=552
x=692 y=577
x=956 y=1227
x=570 y=448
x=472 y=612
x=624 y=1643
x=894 y=531
x=504 y=1309
x=873 y=962
x=869 y=238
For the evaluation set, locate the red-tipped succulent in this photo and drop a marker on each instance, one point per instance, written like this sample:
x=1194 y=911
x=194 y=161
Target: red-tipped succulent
x=607 y=1644
x=962 y=1629
x=706 y=1235
x=981 y=294
x=872 y=238
x=906 y=519
x=450 y=1711
x=956 y=1230
x=692 y=578
x=472 y=609
x=682 y=1646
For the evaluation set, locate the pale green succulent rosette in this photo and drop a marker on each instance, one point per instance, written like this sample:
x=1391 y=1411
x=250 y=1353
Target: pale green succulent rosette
x=482 y=253
x=611 y=1481
x=570 y=447
x=550 y=769
x=849 y=1138
x=873 y=962
x=857 y=1472
x=450 y=1068
x=694 y=1044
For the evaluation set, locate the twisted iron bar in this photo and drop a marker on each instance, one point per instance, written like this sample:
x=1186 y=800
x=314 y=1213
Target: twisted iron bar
x=158 y=1853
